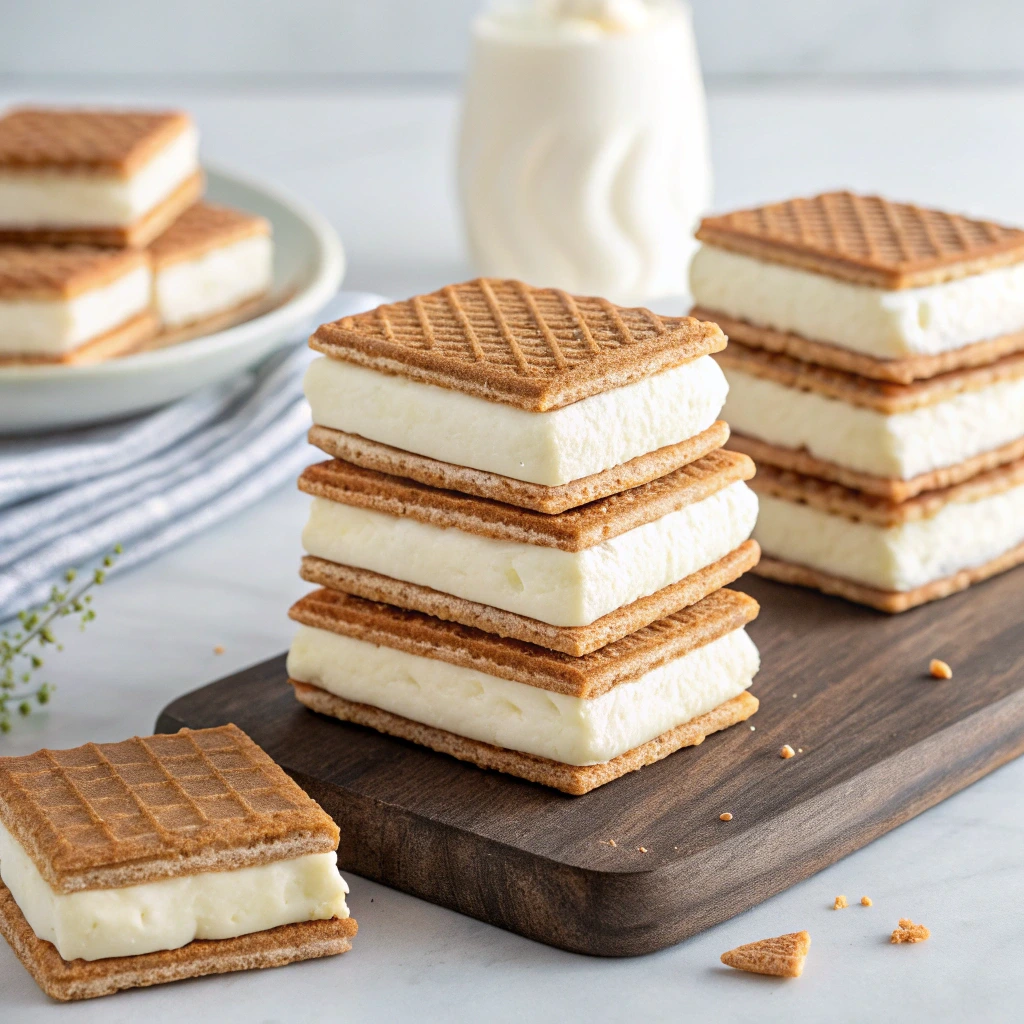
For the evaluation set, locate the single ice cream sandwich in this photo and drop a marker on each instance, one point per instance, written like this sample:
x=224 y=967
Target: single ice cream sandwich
x=72 y=305
x=530 y=395
x=893 y=440
x=566 y=722
x=159 y=858
x=211 y=268
x=889 y=555
x=97 y=177
x=886 y=290
x=575 y=580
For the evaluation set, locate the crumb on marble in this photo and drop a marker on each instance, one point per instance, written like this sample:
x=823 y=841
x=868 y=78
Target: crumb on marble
x=866 y=901
x=840 y=903
x=218 y=649
x=909 y=932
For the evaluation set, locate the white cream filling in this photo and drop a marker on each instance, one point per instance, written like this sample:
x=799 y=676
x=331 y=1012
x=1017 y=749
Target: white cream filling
x=563 y=588
x=218 y=280
x=58 y=199
x=873 y=321
x=548 y=448
x=960 y=536
x=98 y=923
x=54 y=326
x=902 y=444
x=517 y=716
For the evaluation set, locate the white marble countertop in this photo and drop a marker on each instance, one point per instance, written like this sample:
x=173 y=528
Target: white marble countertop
x=377 y=163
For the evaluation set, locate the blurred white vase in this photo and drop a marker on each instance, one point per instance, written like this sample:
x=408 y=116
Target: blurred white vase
x=583 y=157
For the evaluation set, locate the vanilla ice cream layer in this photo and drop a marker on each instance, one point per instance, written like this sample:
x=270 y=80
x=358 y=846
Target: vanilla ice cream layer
x=99 y=923
x=876 y=322
x=960 y=536
x=549 y=448
x=516 y=716
x=51 y=327
x=563 y=588
x=62 y=199
x=901 y=445
x=218 y=280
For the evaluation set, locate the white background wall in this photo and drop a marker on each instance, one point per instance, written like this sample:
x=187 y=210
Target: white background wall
x=298 y=38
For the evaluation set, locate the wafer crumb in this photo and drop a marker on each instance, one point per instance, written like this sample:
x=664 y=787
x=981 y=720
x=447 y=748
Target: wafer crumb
x=909 y=932
x=609 y=842
x=753 y=728
x=939 y=669
x=840 y=903
x=782 y=957
x=866 y=901
x=725 y=816
x=218 y=649
x=642 y=849
x=787 y=752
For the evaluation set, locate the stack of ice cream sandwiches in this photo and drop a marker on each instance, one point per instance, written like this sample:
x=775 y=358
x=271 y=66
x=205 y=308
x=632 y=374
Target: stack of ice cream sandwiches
x=524 y=531
x=105 y=244
x=876 y=373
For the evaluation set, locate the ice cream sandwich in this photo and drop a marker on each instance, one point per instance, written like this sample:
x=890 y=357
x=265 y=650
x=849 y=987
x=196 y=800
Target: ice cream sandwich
x=98 y=177
x=160 y=858
x=72 y=305
x=569 y=723
x=211 y=268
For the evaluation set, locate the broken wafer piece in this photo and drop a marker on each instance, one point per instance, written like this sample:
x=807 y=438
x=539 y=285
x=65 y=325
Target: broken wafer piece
x=572 y=723
x=164 y=857
x=883 y=289
x=889 y=555
x=519 y=384
x=782 y=957
x=211 y=267
x=72 y=305
x=909 y=932
x=96 y=177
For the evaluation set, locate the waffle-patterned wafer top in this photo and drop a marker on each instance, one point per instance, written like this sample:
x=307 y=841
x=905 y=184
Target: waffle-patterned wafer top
x=536 y=348
x=867 y=239
x=109 y=815
x=588 y=676
x=105 y=141
x=201 y=228
x=44 y=272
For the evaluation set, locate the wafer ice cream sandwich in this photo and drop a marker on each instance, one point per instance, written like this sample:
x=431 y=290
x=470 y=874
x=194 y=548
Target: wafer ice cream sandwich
x=99 y=177
x=530 y=396
x=72 y=305
x=886 y=290
x=160 y=858
x=212 y=267
x=575 y=580
x=565 y=722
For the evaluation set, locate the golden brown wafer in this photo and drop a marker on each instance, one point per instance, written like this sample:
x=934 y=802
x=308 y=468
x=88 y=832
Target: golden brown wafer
x=891 y=488
x=574 y=530
x=904 y=370
x=130 y=337
x=109 y=815
x=891 y=601
x=534 y=348
x=132 y=236
x=573 y=640
x=644 y=468
x=838 y=500
x=567 y=778
x=866 y=239
x=47 y=273
x=882 y=396
x=86 y=979
x=586 y=676
x=781 y=957
x=201 y=228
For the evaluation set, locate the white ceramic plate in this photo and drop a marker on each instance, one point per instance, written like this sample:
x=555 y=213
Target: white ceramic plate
x=308 y=267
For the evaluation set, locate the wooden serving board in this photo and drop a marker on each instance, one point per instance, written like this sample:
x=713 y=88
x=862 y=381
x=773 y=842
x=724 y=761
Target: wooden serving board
x=882 y=741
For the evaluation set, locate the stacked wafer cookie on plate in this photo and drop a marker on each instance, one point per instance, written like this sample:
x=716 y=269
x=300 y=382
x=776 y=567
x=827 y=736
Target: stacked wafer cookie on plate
x=105 y=247
x=524 y=531
x=876 y=372
x=163 y=857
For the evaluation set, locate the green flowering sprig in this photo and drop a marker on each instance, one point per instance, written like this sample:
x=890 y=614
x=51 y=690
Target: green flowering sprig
x=20 y=648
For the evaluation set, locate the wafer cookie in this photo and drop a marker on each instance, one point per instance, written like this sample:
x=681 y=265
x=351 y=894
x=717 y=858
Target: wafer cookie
x=127 y=339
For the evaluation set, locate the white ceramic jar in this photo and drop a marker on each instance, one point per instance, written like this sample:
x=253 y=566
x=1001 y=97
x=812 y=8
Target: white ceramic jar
x=583 y=159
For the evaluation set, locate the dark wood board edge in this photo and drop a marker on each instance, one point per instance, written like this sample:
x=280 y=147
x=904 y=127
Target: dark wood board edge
x=614 y=913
